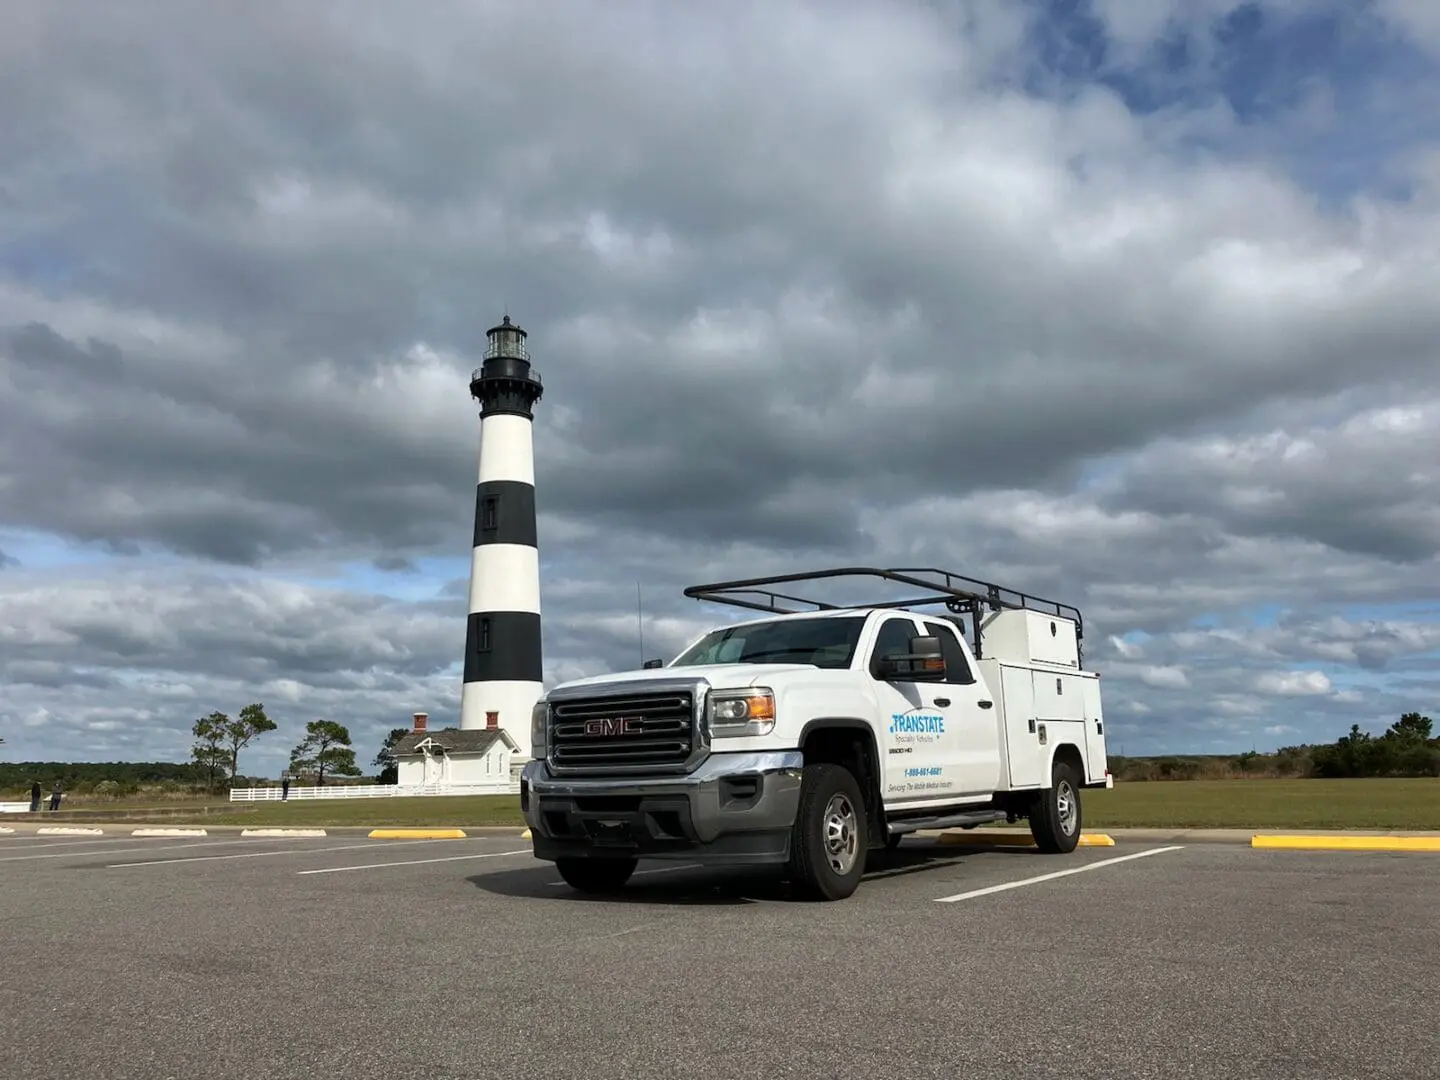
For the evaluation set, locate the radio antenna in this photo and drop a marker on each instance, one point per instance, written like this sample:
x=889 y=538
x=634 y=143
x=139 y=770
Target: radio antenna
x=639 y=622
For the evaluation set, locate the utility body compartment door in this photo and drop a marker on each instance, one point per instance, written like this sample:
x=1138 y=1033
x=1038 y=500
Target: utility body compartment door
x=1097 y=760
x=1058 y=694
x=1068 y=702
x=1022 y=739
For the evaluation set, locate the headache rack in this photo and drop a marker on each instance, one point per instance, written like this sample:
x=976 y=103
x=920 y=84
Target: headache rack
x=961 y=595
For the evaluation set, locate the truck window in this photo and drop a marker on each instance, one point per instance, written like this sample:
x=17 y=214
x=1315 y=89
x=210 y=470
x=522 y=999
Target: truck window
x=957 y=670
x=894 y=636
x=824 y=642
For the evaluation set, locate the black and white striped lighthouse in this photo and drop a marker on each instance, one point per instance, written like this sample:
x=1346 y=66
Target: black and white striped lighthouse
x=502 y=638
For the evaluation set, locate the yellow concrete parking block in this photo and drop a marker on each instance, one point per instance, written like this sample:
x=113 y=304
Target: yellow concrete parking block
x=1280 y=842
x=417 y=834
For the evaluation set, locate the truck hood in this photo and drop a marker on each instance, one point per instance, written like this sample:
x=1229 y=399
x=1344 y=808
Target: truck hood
x=720 y=676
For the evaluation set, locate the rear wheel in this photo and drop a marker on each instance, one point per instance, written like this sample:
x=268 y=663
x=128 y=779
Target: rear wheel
x=596 y=875
x=830 y=836
x=1055 y=817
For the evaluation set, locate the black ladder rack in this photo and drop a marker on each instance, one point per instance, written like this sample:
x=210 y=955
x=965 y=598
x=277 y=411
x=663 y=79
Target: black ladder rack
x=961 y=595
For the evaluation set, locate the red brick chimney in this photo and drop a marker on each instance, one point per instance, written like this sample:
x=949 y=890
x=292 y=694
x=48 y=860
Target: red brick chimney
x=420 y=719
x=492 y=721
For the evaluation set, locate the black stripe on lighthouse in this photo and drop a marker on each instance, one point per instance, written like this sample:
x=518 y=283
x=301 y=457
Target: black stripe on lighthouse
x=503 y=645
x=505 y=513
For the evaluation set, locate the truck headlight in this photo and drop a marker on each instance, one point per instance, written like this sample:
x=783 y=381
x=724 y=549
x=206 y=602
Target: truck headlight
x=734 y=713
x=539 y=718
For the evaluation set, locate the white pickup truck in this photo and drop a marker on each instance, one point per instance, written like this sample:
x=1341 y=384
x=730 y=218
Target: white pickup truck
x=806 y=739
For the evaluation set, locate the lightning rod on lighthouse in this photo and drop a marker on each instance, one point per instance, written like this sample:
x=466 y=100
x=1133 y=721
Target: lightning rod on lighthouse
x=502 y=637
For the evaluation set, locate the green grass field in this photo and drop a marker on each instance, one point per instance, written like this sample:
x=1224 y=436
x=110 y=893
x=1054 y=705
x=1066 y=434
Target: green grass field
x=1234 y=804
x=1267 y=804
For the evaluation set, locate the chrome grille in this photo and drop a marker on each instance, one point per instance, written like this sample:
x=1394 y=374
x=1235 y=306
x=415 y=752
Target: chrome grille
x=658 y=731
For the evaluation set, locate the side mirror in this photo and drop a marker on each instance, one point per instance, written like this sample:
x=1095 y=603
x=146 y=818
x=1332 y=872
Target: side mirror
x=657 y=662
x=923 y=663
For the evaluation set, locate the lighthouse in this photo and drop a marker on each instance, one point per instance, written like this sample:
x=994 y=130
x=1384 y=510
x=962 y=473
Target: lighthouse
x=502 y=636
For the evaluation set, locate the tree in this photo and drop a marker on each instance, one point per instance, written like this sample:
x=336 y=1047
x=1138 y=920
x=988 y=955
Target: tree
x=1411 y=726
x=209 y=750
x=385 y=760
x=239 y=732
x=325 y=748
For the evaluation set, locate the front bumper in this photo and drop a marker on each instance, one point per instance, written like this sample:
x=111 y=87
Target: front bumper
x=734 y=809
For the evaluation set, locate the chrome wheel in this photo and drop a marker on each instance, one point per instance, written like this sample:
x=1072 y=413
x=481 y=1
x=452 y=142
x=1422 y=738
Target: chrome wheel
x=1065 y=806
x=842 y=841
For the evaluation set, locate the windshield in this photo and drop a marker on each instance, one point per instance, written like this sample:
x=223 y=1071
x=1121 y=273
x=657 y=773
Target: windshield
x=826 y=643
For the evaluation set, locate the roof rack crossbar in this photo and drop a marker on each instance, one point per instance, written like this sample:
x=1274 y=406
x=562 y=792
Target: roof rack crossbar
x=960 y=594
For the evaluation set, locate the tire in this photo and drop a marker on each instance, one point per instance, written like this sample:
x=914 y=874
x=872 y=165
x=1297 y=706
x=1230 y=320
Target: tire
x=1055 y=817
x=596 y=875
x=830 y=837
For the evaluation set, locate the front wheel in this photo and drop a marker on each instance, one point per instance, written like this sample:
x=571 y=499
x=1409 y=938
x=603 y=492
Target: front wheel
x=596 y=875
x=1055 y=816
x=830 y=836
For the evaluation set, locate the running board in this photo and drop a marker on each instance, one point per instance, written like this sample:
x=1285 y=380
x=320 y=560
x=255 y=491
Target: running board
x=945 y=821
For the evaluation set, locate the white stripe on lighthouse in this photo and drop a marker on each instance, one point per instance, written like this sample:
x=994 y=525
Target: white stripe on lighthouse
x=507 y=450
x=505 y=577
x=512 y=699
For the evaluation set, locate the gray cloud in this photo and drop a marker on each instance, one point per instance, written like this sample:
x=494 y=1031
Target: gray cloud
x=809 y=284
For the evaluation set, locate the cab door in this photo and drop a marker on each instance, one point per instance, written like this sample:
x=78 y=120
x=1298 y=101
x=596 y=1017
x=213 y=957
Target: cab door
x=972 y=719
x=919 y=759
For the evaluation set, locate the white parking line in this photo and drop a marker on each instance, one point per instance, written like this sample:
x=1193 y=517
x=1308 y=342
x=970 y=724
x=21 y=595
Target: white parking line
x=31 y=842
x=1057 y=874
x=114 y=850
x=415 y=862
x=657 y=870
x=262 y=854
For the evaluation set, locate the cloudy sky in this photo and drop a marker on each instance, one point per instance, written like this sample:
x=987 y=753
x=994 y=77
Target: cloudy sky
x=1128 y=302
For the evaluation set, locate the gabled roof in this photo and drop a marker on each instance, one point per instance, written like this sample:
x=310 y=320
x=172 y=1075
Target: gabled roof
x=454 y=741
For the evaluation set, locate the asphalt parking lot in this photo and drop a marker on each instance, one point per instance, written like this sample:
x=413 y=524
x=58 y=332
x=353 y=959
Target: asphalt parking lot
x=344 y=956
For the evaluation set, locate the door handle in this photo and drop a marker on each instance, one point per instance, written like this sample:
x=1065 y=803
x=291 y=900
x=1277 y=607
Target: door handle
x=942 y=701
x=985 y=704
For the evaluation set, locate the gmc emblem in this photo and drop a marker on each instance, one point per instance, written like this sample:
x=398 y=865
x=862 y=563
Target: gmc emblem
x=615 y=725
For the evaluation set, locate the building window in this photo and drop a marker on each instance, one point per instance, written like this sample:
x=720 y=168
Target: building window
x=490 y=513
x=484 y=645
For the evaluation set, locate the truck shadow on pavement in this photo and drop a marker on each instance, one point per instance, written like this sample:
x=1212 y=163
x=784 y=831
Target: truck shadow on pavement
x=689 y=886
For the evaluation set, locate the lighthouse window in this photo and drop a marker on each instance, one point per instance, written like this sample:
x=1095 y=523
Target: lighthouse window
x=484 y=645
x=490 y=513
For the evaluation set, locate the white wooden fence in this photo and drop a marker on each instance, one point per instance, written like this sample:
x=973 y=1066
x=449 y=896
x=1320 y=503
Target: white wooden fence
x=372 y=791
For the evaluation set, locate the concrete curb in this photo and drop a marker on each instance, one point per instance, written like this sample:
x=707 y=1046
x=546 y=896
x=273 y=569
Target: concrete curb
x=1296 y=840
x=471 y=831
x=416 y=834
x=1336 y=839
x=1181 y=836
x=1014 y=838
x=1312 y=842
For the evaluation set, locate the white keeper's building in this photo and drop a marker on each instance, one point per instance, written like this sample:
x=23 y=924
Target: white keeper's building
x=454 y=755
